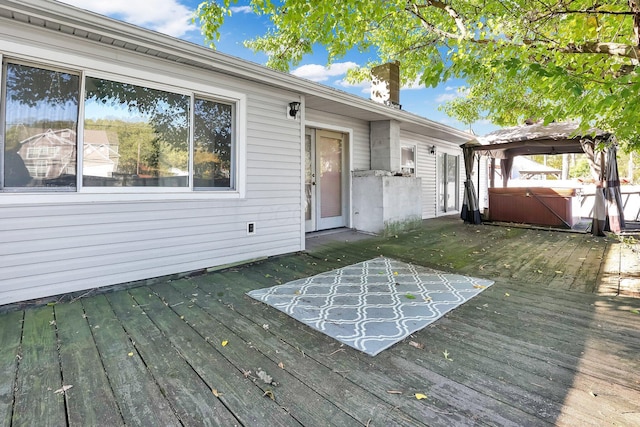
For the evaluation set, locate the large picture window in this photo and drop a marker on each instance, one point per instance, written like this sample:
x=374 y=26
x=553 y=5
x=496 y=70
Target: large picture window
x=40 y=124
x=133 y=135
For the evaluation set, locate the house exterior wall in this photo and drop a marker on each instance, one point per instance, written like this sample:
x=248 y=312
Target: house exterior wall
x=54 y=243
x=427 y=169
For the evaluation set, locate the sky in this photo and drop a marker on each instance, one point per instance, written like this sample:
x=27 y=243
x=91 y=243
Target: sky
x=173 y=17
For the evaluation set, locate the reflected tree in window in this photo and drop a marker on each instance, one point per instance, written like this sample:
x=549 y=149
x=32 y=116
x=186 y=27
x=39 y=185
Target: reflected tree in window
x=149 y=128
x=212 y=156
x=40 y=127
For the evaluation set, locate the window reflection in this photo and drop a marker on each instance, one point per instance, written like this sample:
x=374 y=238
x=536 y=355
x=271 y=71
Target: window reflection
x=212 y=150
x=40 y=127
x=134 y=136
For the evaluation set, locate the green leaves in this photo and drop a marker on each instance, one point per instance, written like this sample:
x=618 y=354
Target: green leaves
x=520 y=59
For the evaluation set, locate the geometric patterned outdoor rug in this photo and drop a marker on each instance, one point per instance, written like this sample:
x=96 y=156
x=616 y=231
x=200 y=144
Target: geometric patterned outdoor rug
x=373 y=304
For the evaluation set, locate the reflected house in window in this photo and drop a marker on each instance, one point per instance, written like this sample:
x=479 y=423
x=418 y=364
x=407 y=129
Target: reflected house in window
x=50 y=155
x=100 y=153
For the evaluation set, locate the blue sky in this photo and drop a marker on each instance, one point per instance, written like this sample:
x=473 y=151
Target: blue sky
x=173 y=17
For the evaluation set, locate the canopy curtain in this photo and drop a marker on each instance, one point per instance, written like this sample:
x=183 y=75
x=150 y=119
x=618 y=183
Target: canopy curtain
x=612 y=191
x=470 y=208
x=505 y=168
x=607 y=213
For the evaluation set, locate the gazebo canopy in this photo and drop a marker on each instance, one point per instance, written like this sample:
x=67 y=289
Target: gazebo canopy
x=554 y=138
x=525 y=140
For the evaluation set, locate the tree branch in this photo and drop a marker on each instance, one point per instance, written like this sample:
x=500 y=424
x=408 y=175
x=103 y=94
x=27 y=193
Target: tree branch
x=415 y=10
x=611 y=49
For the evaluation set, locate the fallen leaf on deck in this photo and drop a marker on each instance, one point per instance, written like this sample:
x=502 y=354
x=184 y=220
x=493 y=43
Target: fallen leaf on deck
x=634 y=311
x=559 y=272
x=507 y=294
x=224 y=343
x=409 y=296
x=395 y=273
x=427 y=299
x=63 y=389
x=416 y=345
x=421 y=396
x=215 y=392
x=269 y=394
x=281 y=365
x=52 y=322
x=479 y=287
x=297 y=292
x=130 y=354
x=394 y=392
x=446 y=356
x=265 y=327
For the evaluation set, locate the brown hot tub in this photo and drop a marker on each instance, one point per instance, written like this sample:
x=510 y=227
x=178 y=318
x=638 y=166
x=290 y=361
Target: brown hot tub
x=555 y=207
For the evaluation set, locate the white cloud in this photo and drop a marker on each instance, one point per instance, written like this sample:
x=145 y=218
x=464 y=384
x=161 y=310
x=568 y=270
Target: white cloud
x=446 y=97
x=165 y=16
x=414 y=85
x=451 y=93
x=320 y=73
x=241 y=9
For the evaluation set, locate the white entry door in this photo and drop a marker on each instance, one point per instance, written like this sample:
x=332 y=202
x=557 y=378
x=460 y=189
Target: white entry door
x=326 y=179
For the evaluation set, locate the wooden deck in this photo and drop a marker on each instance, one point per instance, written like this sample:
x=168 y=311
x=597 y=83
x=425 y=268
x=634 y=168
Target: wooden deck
x=540 y=347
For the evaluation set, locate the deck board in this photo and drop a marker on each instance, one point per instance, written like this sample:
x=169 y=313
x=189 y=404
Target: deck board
x=547 y=344
x=36 y=400
x=10 y=336
x=82 y=368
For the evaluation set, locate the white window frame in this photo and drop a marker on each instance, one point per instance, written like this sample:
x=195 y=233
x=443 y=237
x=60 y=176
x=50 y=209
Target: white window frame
x=116 y=72
x=412 y=169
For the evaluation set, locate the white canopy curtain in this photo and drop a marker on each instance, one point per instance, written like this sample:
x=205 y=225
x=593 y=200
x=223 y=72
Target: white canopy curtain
x=559 y=138
x=470 y=208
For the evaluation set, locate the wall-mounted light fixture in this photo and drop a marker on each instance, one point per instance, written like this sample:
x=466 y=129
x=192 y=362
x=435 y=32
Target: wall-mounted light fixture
x=294 y=108
x=432 y=149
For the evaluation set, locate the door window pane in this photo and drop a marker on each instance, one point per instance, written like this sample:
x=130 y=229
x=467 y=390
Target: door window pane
x=213 y=145
x=40 y=128
x=448 y=182
x=452 y=183
x=330 y=177
x=308 y=180
x=134 y=136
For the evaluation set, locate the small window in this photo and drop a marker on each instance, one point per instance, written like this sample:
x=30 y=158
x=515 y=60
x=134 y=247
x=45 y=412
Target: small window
x=408 y=159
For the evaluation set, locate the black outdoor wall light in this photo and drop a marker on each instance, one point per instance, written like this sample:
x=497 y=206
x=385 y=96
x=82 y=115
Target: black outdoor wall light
x=432 y=149
x=294 y=107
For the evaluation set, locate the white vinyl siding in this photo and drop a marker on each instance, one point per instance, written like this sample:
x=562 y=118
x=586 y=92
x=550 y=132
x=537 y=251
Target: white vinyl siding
x=426 y=168
x=57 y=243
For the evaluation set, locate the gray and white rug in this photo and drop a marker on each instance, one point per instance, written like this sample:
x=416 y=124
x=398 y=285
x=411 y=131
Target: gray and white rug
x=373 y=304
